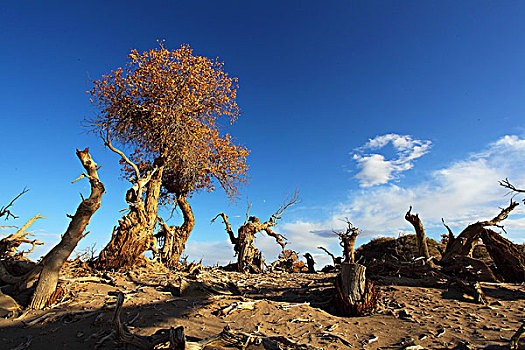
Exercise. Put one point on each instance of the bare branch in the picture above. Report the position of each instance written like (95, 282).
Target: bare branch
(247, 213)
(233, 239)
(506, 184)
(5, 210)
(334, 259)
(107, 142)
(293, 199)
(450, 233)
(501, 216)
(279, 238)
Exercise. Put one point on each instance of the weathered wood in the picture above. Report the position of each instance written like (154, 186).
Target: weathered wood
(472, 288)
(514, 340)
(134, 233)
(9, 245)
(348, 238)
(464, 243)
(175, 336)
(55, 259)
(509, 259)
(421, 239)
(469, 269)
(249, 258)
(355, 296)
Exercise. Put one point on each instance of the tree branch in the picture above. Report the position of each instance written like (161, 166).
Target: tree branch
(506, 184)
(293, 199)
(5, 210)
(501, 216)
(234, 240)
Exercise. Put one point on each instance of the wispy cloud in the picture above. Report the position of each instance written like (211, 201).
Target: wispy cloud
(375, 169)
(463, 192)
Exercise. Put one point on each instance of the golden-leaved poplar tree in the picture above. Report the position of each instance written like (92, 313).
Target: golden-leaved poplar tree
(165, 107)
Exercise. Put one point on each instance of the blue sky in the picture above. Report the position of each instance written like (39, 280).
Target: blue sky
(366, 107)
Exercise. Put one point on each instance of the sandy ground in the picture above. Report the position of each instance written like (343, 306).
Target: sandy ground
(289, 305)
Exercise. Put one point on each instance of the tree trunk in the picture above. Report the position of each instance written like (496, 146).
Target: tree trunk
(355, 296)
(348, 247)
(175, 237)
(421, 239)
(310, 262)
(464, 243)
(54, 260)
(509, 259)
(184, 230)
(134, 233)
(249, 258)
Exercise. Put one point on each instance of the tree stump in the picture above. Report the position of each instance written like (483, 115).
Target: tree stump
(355, 295)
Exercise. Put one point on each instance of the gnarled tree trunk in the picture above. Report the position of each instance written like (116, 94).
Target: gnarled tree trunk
(54, 260)
(249, 258)
(348, 238)
(355, 295)
(174, 238)
(134, 233)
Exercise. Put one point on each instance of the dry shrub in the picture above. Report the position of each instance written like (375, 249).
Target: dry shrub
(403, 248)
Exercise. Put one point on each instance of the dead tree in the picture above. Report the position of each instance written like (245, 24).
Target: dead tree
(508, 258)
(48, 269)
(249, 258)
(134, 233)
(421, 239)
(310, 262)
(55, 259)
(347, 241)
(464, 243)
(9, 246)
(335, 260)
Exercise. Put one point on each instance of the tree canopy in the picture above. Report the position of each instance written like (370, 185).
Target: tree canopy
(166, 106)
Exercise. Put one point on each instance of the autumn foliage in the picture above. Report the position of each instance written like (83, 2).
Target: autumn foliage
(165, 105)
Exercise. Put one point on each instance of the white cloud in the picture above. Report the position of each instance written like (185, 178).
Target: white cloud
(462, 193)
(375, 169)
